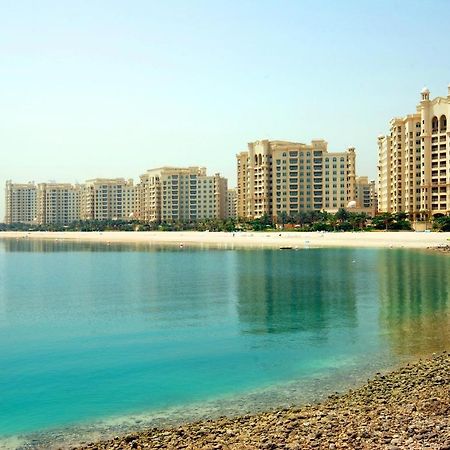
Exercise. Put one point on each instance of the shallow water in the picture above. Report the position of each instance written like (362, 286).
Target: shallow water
(93, 333)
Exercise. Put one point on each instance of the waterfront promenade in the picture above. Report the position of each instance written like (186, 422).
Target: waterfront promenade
(392, 239)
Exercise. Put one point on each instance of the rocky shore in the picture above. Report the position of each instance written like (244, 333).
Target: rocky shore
(405, 409)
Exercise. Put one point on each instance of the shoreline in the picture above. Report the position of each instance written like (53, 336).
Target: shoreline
(265, 420)
(275, 240)
(407, 408)
(404, 407)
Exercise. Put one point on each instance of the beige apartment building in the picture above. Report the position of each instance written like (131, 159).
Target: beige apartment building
(172, 194)
(414, 162)
(57, 203)
(232, 203)
(365, 195)
(20, 202)
(109, 199)
(277, 177)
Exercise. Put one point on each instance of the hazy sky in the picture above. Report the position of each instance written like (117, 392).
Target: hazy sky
(113, 88)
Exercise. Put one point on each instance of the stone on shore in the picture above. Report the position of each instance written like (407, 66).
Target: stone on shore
(405, 409)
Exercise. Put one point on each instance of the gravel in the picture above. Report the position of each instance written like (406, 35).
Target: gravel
(408, 408)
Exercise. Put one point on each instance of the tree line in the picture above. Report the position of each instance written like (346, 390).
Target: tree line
(342, 220)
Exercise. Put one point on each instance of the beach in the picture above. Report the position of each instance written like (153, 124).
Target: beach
(282, 239)
(408, 408)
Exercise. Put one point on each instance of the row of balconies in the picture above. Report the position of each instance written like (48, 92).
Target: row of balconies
(437, 131)
(436, 139)
(435, 156)
(435, 148)
(438, 182)
(435, 173)
(440, 189)
(442, 198)
(437, 207)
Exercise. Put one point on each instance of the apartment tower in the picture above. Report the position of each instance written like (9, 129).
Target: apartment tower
(172, 194)
(20, 201)
(108, 199)
(414, 161)
(365, 195)
(57, 203)
(276, 177)
(232, 203)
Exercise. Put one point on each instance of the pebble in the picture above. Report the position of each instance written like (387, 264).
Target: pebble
(406, 409)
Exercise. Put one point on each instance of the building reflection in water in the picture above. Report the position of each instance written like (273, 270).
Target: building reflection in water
(415, 301)
(59, 245)
(289, 291)
(56, 245)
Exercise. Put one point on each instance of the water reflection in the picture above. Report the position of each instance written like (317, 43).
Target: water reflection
(284, 291)
(162, 326)
(26, 245)
(415, 301)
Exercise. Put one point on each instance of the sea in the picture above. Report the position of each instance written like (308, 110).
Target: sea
(97, 340)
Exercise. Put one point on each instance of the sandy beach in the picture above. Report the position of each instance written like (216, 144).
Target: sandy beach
(412, 240)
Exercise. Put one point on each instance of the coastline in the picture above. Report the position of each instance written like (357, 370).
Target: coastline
(407, 408)
(212, 430)
(282, 239)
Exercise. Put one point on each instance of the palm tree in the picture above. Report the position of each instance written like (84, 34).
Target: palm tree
(333, 221)
(342, 215)
(283, 218)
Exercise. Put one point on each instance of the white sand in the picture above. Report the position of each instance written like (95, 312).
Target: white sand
(249, 239)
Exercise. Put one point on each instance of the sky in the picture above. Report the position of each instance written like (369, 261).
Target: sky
(105, 88)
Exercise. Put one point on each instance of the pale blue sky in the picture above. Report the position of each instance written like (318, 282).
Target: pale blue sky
(112, 88)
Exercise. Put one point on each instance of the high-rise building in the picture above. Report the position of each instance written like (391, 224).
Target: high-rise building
(20, 203)
(172, 194)
(232, 203)
(413, 161)
(365, 194)
(384, 174)
(57, 203)
(108, 199)
(276, 177)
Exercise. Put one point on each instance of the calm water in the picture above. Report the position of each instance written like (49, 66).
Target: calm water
(90, 332)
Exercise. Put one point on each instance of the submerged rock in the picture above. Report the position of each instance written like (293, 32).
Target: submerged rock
(406, 409)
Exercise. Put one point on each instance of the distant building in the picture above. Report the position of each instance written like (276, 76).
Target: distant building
(365, 198)
(57, 203)
(166, 194)
(276, 177)
(172, 194)
(384, 175)
(108, 199)
(413, 164)
(20, 202)
(232, 203)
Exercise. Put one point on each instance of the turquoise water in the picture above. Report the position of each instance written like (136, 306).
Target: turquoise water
(91, 332)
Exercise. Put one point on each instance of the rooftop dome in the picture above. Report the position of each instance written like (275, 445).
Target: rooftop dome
(425, 90)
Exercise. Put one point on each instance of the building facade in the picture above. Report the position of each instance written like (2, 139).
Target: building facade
(365, 196)
(276, 177)
(57, 203)
(232, 203)
(20, 202)
(173, 194)
(384, 173)
(166, 194)
(109, 199)
(414, 161)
